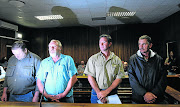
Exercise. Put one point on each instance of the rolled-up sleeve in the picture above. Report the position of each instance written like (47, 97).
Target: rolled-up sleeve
(72, 68)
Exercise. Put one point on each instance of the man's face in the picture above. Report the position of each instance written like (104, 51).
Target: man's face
(82, 62)
(125, 64)
(54, 49)
(103, 44)
(19, 53)
(144, 46)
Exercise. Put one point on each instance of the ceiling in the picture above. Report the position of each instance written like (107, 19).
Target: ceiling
(81, 12)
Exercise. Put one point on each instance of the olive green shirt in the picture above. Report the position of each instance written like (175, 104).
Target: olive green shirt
(21, 74)
(104, 71)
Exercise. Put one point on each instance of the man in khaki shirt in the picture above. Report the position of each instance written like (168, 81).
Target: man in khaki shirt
(104, 71)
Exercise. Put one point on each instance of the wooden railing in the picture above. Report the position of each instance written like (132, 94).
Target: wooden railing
(174, 94)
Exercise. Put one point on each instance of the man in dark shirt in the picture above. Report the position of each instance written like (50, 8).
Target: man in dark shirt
(20, 76)
(147, 75)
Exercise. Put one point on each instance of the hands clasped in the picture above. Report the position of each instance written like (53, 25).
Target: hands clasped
(102, 96)
(55, 98)
(150, 97)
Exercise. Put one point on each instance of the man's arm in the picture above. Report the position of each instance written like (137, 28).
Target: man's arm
(93, 83)
(70, 84)
(115, 83)
(162, 83)
(148, 96)
(41, 88)
(134, 83)
(4, 95)
(37, 65)
(36, 97)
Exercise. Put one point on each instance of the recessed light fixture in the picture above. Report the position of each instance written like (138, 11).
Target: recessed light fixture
(121, 14)
(49, 17)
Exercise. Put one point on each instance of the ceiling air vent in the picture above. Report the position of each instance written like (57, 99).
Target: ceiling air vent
(98, 18)
(8, 26)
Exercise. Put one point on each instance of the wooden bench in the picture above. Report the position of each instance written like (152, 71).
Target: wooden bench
(173, 93)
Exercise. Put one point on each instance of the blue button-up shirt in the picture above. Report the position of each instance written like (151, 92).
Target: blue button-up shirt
(58, 74)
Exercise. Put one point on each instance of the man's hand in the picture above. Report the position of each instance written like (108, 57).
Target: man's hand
(59, 96)
(35, 99)
(102, 94)
(51, 97)
(104, 100)
(150, 97)
(4, 97)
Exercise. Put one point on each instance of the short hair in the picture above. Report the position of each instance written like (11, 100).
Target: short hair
(107, 36)
(57, 41)
(146, 37)
(18, 44)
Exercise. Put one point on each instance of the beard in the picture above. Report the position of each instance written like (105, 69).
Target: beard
(53, 54)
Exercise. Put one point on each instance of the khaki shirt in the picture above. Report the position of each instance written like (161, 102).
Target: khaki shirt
(104, 71)
(20, 75)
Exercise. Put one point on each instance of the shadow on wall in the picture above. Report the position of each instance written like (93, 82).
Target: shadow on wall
(69, 17)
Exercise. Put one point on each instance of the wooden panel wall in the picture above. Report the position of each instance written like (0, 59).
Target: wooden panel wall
(82, 42)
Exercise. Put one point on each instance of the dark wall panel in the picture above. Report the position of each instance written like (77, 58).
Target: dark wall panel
(170, 29)
(82, 42)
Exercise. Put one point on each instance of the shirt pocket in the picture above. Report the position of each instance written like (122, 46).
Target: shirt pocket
(99, 68)
(114, 69)
(10, 71)
(28, 71)
(62, 70)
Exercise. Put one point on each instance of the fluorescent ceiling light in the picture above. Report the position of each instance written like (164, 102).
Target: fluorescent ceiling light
(49, 17)
(121, 14)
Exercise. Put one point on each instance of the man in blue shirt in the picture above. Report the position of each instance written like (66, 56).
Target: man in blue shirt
(58, 74)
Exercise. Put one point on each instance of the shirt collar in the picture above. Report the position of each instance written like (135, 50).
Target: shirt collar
(110, 56)
(151, 53)
(28, 54)
(61, 56)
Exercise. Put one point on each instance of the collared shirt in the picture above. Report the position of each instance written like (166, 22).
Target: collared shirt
(57, 74)
(81, 68)
(20, 75)
(104, 71)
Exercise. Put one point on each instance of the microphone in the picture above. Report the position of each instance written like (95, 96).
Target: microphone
(46, 74)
